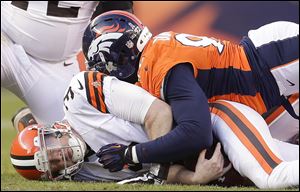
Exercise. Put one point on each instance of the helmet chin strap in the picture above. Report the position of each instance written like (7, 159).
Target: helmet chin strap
(143, 39)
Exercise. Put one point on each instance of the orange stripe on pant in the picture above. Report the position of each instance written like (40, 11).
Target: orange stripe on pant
(255, 102)
(256, 146)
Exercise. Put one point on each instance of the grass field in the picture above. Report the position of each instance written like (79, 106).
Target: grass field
(11, 181)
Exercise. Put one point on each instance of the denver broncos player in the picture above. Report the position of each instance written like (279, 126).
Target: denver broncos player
(88, 124)
(39, 48)
(187, 70)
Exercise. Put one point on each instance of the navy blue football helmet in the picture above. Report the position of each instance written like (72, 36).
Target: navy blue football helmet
(113, 42)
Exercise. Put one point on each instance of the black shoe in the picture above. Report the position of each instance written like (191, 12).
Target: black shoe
(22, 119)
(146, 178)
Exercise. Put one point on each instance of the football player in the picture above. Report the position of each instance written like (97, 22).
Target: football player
(40, 42)
(187, 70)
(67, 148)
(58, 151)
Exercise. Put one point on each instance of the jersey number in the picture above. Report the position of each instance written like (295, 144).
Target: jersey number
(53, 9)
(197, 41)
(69, 95)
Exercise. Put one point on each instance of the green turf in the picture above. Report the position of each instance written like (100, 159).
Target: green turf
(11, 181)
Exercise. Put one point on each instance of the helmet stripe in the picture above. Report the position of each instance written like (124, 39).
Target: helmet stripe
(24, 167)
(22, 157)
(21, 163)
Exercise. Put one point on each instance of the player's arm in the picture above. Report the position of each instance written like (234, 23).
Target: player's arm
(206, 170)
(134, 104)
(192, 132)
(124, 100)
(158, 120)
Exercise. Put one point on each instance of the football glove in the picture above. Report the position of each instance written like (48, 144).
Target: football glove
(115, 156)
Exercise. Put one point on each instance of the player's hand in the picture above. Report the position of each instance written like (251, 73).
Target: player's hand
(207, 170)
(113, 157)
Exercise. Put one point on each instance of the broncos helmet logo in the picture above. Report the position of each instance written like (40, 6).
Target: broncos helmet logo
(101, 45)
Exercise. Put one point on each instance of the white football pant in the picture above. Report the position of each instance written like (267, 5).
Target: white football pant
(247, 141)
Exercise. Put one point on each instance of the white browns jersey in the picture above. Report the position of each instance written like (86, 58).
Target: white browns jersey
(48, 30)
(88, 104)
(91, 103)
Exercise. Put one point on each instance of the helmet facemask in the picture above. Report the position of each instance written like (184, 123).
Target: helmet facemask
(61, 152)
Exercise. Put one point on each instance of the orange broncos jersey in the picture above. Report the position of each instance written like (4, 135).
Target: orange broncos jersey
(220, 67)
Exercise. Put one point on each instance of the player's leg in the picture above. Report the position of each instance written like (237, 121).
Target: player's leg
(11, 75)
(288, 151)
(48, 82)
(11, 69)
(40, 84)
(43, 85)
(250, 147)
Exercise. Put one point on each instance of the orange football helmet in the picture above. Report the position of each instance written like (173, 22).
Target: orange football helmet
(31, 148)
